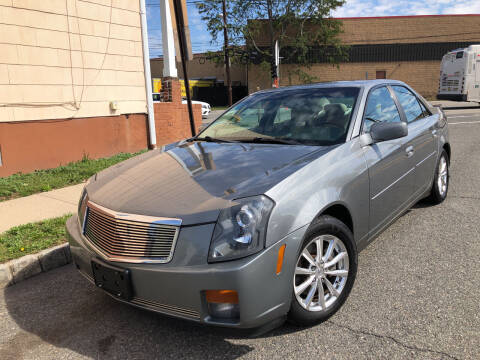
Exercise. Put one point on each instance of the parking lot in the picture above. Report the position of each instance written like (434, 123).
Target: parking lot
(416, 295)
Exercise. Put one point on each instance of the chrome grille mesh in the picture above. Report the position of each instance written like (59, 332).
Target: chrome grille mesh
(127, 237)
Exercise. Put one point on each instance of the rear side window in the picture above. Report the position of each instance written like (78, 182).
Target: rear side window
(426, 112)
(380, 108)
(409, 103)
(459, 55)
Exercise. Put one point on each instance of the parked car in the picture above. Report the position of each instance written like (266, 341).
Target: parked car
(261, 216)
(205, 106)
(157, 97)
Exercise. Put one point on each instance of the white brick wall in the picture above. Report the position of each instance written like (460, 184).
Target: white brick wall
(70, 57)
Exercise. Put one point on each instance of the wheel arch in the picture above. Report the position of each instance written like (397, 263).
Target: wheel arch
(448, 149)
(341, 212)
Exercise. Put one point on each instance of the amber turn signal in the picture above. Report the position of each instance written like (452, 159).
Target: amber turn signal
(281, 254)
(222, 296)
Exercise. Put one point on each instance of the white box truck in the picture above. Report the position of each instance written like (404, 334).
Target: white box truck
(460, 75)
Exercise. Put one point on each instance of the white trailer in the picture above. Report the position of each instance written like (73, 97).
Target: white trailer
(460, 75)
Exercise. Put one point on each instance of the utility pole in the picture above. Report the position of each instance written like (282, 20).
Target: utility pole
(276, 66)
(182, 41)
(273, 45)
(168, 42)
(227, 57)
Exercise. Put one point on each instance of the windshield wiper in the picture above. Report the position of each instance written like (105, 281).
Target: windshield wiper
(211, 139)
(265, 140)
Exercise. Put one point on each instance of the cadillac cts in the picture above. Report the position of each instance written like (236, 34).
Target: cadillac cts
(261, 216)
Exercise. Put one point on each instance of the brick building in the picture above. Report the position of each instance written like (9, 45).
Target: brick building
(203, 68)
(406, 48)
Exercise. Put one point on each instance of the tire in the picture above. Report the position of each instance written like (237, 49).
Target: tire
(325, 229)
(440, 189)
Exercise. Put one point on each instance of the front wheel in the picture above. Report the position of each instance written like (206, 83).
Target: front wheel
(324, 273)
(441, 180)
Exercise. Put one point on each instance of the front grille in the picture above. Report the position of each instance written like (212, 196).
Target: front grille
(129, 237)
(450, 83)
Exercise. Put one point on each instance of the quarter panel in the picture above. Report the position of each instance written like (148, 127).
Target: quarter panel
(340, 176)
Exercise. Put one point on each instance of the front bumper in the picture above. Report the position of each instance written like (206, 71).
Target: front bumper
(178, 288)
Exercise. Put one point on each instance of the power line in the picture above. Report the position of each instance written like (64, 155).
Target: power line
(193, 2)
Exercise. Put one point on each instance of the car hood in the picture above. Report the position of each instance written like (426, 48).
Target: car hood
(193, 181)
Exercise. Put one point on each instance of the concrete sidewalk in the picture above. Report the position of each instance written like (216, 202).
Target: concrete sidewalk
(39, 207)
(448, 104)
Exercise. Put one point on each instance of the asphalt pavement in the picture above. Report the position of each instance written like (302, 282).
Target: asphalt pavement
(212, 116)
(416, 296)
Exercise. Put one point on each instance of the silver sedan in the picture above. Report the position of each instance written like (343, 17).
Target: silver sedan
(261, 216)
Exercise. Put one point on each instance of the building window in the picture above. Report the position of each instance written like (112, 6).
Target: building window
(381, 74)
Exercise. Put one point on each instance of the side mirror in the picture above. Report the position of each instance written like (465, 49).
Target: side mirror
(388, 131)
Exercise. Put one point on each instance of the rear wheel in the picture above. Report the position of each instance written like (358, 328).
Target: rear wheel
(441, 180)
(325, 272)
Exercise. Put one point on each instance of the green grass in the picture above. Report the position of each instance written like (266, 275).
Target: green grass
(32, 238)
(19, 185)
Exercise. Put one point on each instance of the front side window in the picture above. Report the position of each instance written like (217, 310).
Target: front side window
(312, 116)
(409, 103)
(380, 107)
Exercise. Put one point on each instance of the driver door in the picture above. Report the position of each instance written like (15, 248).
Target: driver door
(390, 165)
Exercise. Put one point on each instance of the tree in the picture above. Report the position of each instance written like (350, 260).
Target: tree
(215, 13)
(303, 28)
(212, 14)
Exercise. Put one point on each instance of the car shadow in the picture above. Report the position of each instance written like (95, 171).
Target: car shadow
(65, 310)
(422, 204)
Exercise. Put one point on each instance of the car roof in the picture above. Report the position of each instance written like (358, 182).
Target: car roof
(367, 84)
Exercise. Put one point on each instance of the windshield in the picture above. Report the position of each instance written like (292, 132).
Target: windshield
(316, 116)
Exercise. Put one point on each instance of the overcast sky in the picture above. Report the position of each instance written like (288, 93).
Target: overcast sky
(201, 40)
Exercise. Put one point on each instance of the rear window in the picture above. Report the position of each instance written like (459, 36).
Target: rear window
(459, 54)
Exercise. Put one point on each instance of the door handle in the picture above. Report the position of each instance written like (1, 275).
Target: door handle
(409, 150)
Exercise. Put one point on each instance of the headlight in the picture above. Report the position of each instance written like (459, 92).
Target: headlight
(240, 230)
(82, 208)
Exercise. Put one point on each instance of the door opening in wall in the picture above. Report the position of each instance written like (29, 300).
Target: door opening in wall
(1, 163)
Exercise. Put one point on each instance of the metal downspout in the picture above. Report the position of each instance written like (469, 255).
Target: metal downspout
(148, 77)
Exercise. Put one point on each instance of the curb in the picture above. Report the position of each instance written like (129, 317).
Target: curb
(17, 270)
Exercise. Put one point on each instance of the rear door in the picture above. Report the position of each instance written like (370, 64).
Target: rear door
(391, 169)
(421, 131)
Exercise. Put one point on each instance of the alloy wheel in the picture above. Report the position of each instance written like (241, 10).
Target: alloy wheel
(321, 273)
(442, 179)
